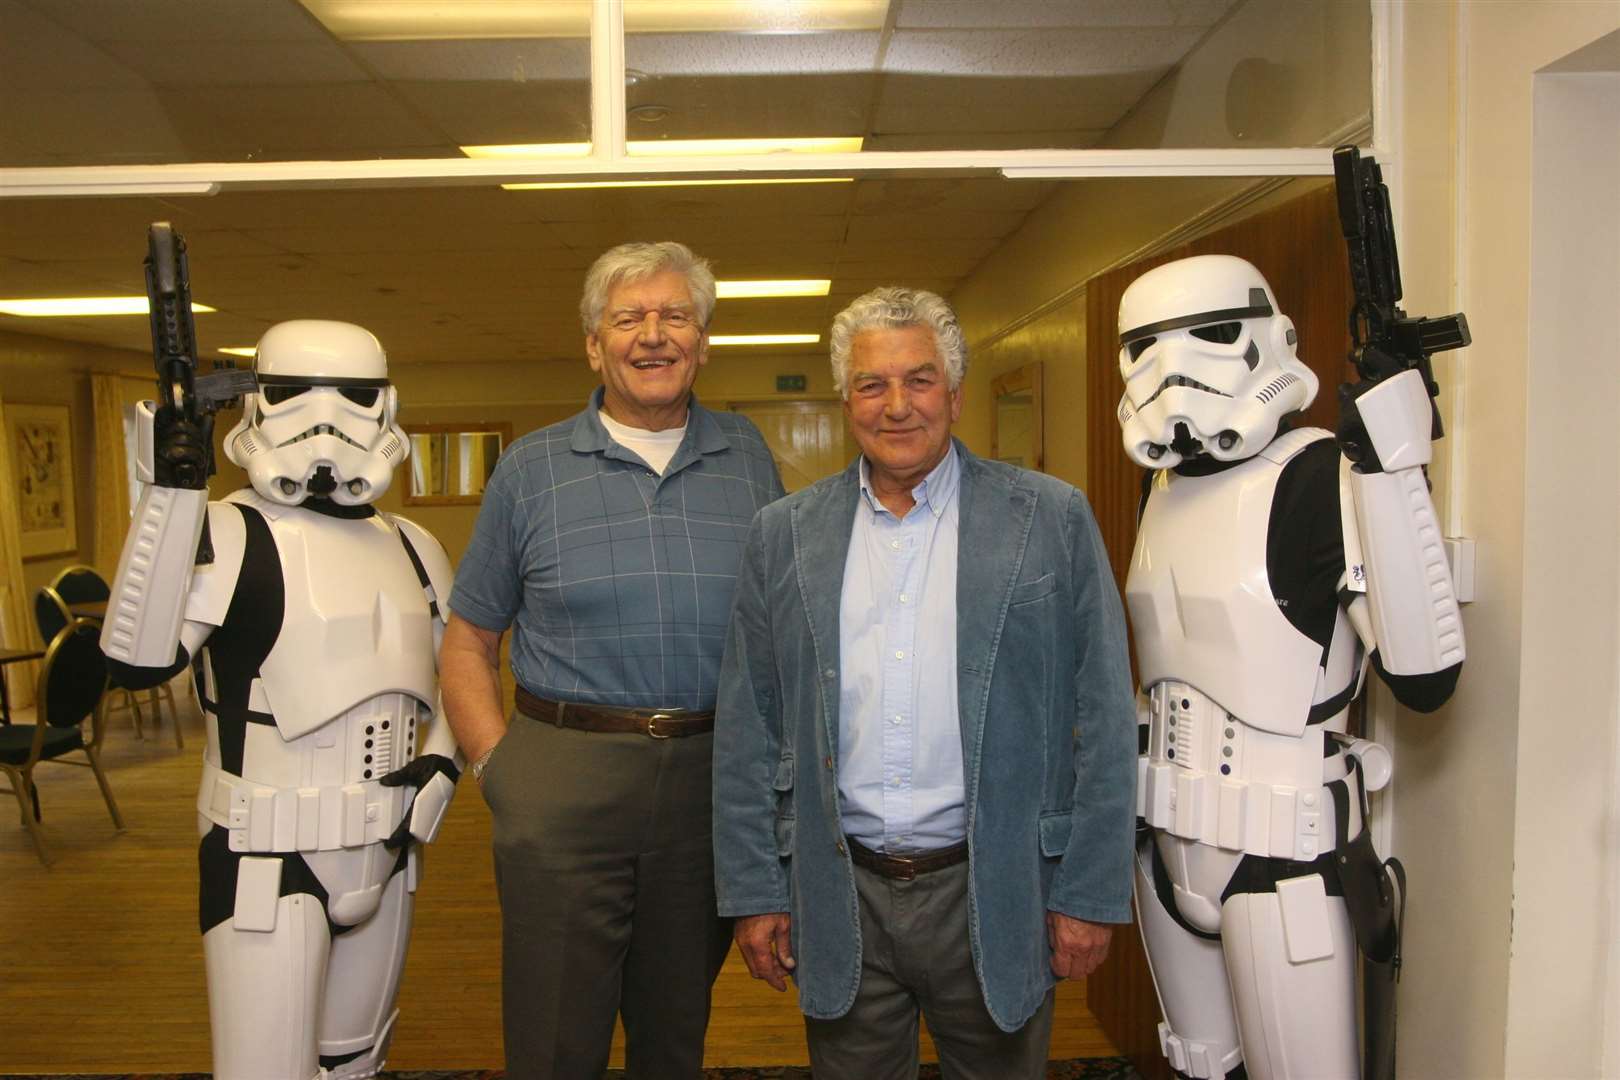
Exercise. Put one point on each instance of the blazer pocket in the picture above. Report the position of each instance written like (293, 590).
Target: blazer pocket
(784, 836)
(783, 786)
(1055, 828)
(1027, 592)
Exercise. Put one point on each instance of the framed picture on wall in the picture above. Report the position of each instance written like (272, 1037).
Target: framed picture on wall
(42, 460)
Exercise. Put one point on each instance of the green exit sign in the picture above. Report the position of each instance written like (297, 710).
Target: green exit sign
(787, 384)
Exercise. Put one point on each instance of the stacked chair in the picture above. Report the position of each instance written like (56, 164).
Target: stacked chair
(72, 687)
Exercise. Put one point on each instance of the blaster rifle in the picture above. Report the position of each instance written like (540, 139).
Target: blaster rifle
(1385, 341)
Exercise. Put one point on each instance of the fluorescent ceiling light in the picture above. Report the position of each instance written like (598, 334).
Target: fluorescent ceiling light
(51, 307)
(764, 339)
(558, 185)
(842, 144)
(737, 290)
(240, 350)
(413, 20)
(546, 150)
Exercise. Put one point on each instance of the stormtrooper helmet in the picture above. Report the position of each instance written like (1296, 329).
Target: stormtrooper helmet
(322, 421)
(1209, 364)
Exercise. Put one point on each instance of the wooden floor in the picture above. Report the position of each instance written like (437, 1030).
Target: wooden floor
(103, 962)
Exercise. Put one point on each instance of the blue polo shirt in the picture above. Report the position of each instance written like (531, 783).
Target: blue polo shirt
(618, 580)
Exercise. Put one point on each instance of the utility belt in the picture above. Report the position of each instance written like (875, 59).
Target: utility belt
(259, 817)
(1273, 820)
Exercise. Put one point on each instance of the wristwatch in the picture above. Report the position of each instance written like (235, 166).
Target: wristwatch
(481, 764)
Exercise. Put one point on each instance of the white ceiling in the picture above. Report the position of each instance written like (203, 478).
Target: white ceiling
(476, 273)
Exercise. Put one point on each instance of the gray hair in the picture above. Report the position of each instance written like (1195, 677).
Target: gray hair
(893, 307)
(638, 260)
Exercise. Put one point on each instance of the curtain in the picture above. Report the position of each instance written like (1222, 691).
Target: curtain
(107, 396)
(16, 625)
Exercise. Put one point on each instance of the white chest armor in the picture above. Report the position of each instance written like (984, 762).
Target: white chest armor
(1231, 760)
(349, 681)
(355, 605)
(1201, 606)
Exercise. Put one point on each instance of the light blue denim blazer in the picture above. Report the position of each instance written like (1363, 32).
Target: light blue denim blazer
(1048, 732)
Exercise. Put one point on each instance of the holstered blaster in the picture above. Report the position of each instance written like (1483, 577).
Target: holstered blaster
(1385, 341)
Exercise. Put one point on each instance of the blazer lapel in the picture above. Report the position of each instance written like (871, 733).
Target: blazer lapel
(821, 528)
(992, 536)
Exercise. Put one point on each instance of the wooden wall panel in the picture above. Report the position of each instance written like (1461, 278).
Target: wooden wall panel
(1299, 249)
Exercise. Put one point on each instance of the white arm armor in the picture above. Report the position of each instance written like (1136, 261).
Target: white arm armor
(154, 572)
(433, 800)
(1393, 547)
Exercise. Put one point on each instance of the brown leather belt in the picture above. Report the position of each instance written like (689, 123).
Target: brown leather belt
(654, 723)
(906, 867)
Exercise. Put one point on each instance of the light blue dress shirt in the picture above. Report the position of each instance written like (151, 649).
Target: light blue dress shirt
(899, 738)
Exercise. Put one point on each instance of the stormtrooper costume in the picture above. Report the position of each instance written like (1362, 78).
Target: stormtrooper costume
(1268, 573)
(313, 633)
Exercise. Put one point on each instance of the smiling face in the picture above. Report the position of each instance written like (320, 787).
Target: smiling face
(900, 406)
(648, 348)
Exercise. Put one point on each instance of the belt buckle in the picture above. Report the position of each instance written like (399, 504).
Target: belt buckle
(904, 869)
(652, 726)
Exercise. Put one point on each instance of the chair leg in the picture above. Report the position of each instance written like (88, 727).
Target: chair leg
(106, 789)
(21, 783)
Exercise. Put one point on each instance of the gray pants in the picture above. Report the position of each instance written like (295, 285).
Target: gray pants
(605, 868)
(915, 957)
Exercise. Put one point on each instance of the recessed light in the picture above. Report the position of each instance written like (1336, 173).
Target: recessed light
(764, 339)
(737, 290)
(59, 306)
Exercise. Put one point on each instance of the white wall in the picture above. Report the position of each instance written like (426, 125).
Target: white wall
(1489, 988)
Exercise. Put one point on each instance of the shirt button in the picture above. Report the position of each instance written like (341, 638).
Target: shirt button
(895, 544)
(899, 654)
(905, 598)
(899, 719)
(895, 781)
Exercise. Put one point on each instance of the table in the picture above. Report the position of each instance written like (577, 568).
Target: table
(12, 656)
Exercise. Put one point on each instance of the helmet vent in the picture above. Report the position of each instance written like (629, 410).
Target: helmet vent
(391, 448)
(248, 444)
(1275, 387)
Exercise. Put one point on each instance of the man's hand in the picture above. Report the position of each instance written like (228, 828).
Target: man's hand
(1078, 947)
(765, 942)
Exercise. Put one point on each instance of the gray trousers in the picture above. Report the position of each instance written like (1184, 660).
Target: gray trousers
(605, 868)
(916, 958)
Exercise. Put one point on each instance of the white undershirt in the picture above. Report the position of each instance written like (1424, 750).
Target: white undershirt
(653, 447)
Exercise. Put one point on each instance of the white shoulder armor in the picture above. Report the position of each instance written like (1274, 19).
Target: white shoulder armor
(435, 563)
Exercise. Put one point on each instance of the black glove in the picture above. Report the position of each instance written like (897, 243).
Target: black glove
(416, 774)
(182, 450)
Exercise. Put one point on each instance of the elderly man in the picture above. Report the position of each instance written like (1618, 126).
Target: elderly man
(612, 541)
(925, 742)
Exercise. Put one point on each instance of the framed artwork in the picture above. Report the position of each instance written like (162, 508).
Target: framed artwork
(42, 459)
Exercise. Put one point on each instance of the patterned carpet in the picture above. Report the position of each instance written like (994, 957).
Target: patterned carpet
(1086, 1069)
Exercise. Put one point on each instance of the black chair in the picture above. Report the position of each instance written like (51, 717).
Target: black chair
(50, 614)
(81, 584)
(72, 682)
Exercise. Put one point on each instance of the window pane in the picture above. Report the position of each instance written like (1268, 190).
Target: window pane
(1015, 74)
(162, 81)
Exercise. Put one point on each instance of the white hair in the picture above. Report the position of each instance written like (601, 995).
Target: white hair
(893, 307)
(637, 261)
